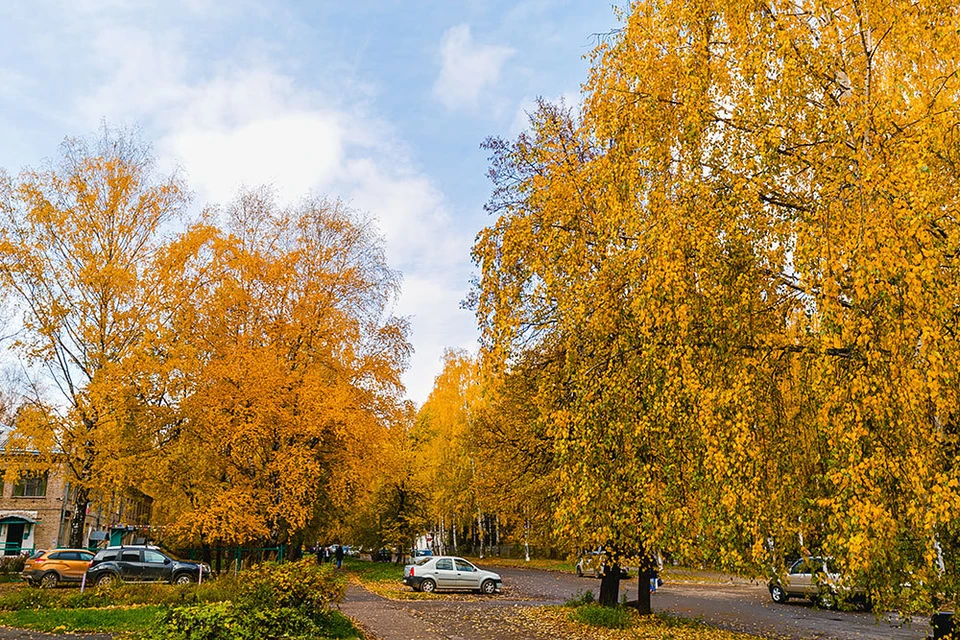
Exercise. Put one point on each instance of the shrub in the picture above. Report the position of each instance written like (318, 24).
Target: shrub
(608, 617)
(303, 585)
(12, 564)
(289, 600)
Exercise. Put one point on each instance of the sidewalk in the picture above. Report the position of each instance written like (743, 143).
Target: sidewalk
(382, 619)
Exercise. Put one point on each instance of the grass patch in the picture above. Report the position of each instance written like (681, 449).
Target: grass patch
(566, 566)
(606, 617)
(559, 622)
(23, 597)
(582, 598)
(113, 620)
(367, 571)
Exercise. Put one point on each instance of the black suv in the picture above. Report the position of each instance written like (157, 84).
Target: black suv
(139, 563)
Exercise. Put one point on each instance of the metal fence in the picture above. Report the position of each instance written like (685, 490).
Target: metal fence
(234, 558)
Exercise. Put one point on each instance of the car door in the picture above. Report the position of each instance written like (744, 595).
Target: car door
(800, 578)
(445, 573)
(75, 564)
(130, 565)
(467, 574)
(156, 566)
(56, 561)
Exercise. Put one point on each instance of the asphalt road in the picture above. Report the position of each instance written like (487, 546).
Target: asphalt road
(740, 607)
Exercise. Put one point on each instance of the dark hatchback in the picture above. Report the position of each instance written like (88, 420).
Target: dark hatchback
(138, 563)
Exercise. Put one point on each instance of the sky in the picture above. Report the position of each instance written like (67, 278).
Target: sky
(383, 104)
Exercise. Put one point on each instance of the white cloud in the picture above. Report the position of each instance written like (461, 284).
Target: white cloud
(294, 153)
(249, 124)
(467, 68)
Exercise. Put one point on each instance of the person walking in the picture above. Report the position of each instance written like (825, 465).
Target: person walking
(339, 555)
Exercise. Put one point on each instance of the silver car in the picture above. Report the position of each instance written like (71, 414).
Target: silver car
(815, 578)
(448, 572)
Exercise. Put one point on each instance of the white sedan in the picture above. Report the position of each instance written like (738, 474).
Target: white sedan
(448, 572)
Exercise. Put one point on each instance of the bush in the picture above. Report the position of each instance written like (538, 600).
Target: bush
(303, 585)
(227, 621)
(289, 600)
(608, 617)
(12, 564)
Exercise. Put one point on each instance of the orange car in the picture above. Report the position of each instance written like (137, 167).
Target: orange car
(47, 569)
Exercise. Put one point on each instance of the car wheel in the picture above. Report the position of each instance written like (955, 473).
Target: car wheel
(49, 580)
(107, 580)
(778, 594)
(488, 587)
(183, 578)
(428, 586)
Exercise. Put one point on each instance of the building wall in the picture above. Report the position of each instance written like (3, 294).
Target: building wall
(123, 517)
(46, 511)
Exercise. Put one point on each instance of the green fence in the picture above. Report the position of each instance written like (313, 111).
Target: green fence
(235, 558)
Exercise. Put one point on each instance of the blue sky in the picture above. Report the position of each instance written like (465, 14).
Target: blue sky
(384, 104)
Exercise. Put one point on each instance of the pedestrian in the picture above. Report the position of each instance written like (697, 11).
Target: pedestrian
(326, 553)
(655, 581)
(339, 555)
(319, 551)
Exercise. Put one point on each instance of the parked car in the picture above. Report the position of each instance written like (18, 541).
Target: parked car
(430, 573)
(592, 563)
(47, 569)
(422, 553)
(815, 578)
(142, 563)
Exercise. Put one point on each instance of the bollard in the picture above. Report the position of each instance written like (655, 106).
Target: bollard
(83, 581)
(942, 625)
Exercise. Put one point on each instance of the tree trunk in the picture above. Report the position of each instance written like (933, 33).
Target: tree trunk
(644, 606)
(79, 517)
(610, 586)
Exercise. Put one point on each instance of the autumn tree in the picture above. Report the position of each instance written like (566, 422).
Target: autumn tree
(284, 373)
(742, 251)
(440, 439)
(79, 242)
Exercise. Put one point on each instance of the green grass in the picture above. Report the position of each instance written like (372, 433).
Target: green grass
(565, 565)
(367, 571)
(20, 597)
(607, 617)
(114, 620)
(340, 627)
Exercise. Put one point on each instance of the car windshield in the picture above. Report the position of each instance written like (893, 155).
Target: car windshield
(36, 554)
(421, 561)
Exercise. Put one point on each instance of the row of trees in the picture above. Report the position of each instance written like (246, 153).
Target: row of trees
(241, 366)
(719, 300)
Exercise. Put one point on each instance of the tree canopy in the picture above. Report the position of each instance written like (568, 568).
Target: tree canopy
(739, 257)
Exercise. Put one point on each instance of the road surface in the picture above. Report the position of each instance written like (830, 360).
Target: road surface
(737, 606)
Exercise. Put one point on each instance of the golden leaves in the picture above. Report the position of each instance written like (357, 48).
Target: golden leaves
(743, 252)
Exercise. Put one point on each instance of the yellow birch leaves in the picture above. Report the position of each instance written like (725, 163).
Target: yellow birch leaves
(743, 249)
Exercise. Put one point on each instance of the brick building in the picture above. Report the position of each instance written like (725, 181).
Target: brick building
(35, 511)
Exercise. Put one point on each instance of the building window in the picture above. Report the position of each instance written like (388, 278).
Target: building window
(31, 486)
